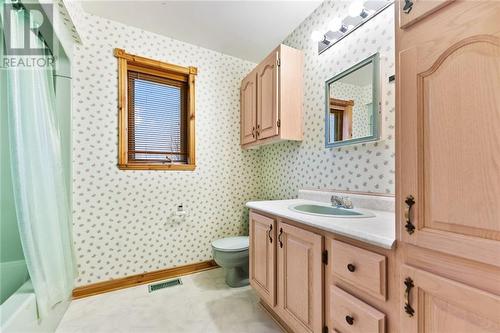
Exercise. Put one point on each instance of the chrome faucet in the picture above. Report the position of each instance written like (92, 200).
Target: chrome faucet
(341, 202)
(336, 201)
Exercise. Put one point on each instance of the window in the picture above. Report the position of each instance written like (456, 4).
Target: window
(340, 117)
(156, 114)
(336, 122)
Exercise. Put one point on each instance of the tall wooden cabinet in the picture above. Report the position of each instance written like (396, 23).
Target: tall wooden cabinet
(271, 99)
(448, 165)
(267, 96)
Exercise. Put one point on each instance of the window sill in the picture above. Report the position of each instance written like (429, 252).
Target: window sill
(173, 167)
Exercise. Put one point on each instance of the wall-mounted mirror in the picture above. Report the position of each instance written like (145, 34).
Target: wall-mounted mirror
(352, 104)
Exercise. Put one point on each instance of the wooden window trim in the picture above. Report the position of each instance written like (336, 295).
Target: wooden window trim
(340, 104)
(344, 107)
(153, 67)
(339, 123)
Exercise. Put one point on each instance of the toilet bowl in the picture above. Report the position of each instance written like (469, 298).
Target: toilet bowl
(231, 254)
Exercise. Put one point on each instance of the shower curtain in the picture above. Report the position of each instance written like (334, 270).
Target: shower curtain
(40, 193)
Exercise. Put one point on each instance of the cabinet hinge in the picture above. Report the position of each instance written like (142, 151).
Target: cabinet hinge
(278, 62)
(324, 257)
(325, 329)
(278, 123)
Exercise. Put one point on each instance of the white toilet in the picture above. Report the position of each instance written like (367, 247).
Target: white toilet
(231, 253)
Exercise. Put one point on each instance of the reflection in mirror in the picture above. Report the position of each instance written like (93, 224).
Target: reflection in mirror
(350, 113)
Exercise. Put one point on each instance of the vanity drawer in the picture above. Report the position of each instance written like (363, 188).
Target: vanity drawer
(350, 315)
(363, 269)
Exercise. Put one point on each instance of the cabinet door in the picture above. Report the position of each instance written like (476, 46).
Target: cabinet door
(449, 137)
(248, 106)
(440, 305)
(267, 97)
(263, 257)
(300, 278)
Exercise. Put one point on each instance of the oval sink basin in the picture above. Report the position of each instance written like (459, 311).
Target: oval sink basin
(329, 211)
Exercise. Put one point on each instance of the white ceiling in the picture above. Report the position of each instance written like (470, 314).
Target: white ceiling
(244, 29)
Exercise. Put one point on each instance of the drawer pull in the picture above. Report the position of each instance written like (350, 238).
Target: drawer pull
(408, 308)
(349, 320)
(410, 201)
(269, 233)
(351, 268)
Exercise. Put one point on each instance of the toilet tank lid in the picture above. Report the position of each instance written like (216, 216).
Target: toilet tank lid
(230, 244)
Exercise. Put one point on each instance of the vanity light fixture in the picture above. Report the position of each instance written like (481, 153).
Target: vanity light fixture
(335, 24)
(359, 12)
(319, 37)
(355, 8)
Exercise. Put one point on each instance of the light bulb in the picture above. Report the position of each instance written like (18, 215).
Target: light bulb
(317, 36)
(335, 24)
(355, 8)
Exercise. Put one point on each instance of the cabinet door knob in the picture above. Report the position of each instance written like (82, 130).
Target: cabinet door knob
(253, 132)
(351, 268)
(349, 319)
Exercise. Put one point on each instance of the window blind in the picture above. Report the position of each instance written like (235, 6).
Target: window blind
(157, 126)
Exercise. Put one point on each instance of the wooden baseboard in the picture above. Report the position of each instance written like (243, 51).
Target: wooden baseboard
(135, 280)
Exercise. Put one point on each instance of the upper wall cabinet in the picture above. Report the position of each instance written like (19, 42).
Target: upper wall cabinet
(271, 99)
(248, 105)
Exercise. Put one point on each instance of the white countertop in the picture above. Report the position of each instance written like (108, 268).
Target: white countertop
(378, 230)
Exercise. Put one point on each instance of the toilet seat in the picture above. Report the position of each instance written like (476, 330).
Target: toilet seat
(231, 244)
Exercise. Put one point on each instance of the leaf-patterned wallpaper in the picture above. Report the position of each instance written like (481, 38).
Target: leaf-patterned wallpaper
(290, 166)
(123, 220)
(123, 223)
(69, 23)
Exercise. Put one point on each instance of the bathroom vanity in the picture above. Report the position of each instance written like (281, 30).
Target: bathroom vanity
(317, 273)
